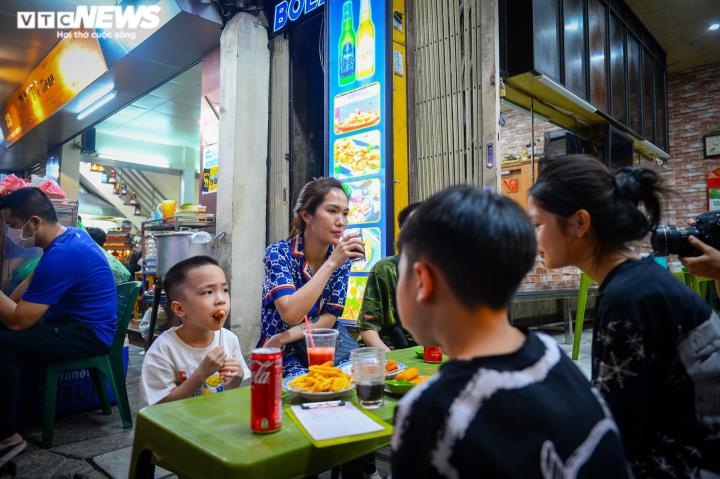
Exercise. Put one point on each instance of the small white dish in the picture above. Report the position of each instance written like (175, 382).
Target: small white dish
(321, 396)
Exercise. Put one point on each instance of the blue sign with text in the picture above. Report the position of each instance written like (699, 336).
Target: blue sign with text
(291, 11)
(358, 122)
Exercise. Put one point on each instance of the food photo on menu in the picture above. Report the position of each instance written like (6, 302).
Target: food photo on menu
(357, 155)
(357, 109)
(365, 206)
(354, 298)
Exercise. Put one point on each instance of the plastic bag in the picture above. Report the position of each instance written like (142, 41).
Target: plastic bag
(36, 181)
(52, 189)
(48, 186)
(161, 322)
(11, 183)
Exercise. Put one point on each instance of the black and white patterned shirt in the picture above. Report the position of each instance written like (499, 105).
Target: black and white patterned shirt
(528, 414)
(656, 360)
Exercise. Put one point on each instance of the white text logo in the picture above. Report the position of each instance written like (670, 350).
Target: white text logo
(145, 16)
(261, 371)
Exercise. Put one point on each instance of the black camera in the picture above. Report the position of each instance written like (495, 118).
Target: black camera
(668, 240)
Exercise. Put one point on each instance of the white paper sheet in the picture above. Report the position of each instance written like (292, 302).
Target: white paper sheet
(333, 422)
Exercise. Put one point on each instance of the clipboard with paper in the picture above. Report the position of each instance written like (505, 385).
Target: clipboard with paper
(337, 422)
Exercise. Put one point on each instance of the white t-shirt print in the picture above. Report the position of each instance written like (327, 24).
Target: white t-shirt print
(170, 361)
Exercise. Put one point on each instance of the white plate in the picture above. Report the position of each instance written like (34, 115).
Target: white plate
(316, 396)
(346, 367)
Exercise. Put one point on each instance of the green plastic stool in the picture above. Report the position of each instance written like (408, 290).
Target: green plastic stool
(110, 365)
(585, 282)
(700, 285)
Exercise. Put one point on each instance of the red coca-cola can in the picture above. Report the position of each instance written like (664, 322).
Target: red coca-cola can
(432, 354)
(266, 390)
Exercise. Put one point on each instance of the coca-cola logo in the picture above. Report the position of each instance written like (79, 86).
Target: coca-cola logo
(261, 371)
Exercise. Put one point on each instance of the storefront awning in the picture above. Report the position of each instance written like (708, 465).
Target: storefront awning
(133, 69)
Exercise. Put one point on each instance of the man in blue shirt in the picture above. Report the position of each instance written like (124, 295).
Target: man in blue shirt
(66, 309)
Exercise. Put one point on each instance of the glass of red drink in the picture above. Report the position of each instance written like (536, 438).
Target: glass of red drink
(320, 345)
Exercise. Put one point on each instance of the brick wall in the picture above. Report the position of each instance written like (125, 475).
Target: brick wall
(693, 112)
(515, 140)
(515, 135)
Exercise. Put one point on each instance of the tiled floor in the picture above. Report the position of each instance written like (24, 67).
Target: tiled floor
(583, 361)
(87, 445)
(90, 445)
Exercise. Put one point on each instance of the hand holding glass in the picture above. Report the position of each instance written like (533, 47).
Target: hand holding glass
(349, 233)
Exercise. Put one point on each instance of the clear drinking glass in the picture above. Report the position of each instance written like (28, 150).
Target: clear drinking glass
(354, 231)
(321, 348)
(368, 370)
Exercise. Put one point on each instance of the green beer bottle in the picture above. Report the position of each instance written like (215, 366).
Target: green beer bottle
(346, 49)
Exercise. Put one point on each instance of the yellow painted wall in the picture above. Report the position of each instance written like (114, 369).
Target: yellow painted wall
(400, 140)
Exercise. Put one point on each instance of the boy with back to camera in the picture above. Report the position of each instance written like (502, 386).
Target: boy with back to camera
(196, 357)
(508, 403)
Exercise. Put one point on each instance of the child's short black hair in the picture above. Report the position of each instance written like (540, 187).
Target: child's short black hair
(176, 276)
(405, 213)
(483, 243)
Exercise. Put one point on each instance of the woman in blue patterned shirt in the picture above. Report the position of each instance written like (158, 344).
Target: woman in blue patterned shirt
(307, 274)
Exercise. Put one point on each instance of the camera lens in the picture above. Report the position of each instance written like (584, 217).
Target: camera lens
(663, 238)
(667, 240)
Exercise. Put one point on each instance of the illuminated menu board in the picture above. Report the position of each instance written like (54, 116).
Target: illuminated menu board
(358, 124)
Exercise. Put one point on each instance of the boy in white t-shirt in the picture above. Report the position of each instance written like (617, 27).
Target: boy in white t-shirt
(197, 357)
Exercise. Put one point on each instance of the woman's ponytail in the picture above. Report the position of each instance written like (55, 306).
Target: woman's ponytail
(642, 186)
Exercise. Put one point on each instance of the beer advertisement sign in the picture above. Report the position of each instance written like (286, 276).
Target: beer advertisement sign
(358, 126)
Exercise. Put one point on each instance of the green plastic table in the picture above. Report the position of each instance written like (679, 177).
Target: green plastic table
(210, 437)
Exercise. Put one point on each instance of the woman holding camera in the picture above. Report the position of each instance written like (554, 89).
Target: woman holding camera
(656, 345)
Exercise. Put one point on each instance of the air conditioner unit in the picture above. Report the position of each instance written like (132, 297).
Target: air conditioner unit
(560, 142)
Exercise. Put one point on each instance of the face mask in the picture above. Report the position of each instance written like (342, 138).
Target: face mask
(16, 236)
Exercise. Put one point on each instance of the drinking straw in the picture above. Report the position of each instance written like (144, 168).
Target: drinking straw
(307, 324)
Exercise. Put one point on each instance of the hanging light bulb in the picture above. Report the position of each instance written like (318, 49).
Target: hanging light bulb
(123, 189)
